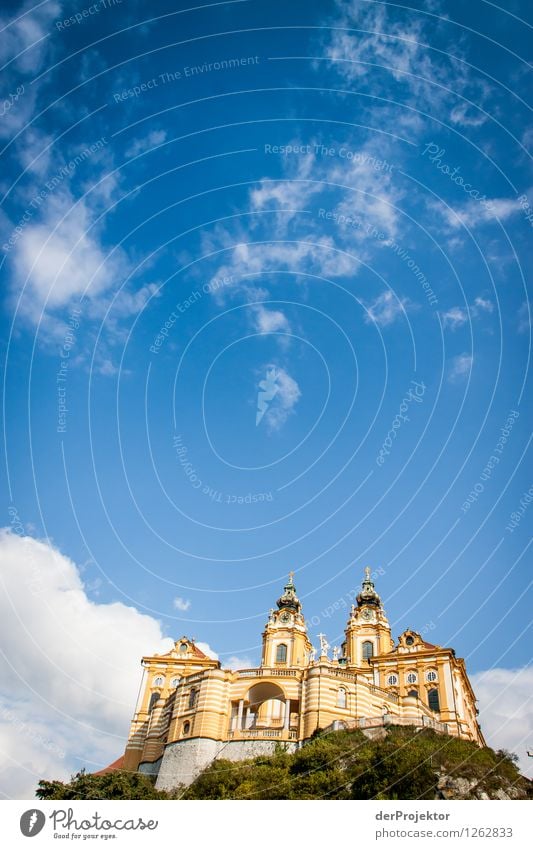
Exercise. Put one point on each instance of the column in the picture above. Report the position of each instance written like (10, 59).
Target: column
(239, 714)
(248, 718)
(287, 720)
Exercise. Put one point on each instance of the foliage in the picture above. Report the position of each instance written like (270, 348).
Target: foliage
(117, 784)
(403, 764)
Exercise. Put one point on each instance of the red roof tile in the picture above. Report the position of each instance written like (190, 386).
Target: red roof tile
(118, 764)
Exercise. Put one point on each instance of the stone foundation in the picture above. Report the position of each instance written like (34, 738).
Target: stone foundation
(148, 768)
(184, 760)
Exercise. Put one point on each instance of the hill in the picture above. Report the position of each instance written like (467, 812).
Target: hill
(404, 764)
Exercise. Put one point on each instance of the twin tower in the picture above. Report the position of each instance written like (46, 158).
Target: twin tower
(191, 710)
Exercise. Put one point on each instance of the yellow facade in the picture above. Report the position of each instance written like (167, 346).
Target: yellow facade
(191, 711)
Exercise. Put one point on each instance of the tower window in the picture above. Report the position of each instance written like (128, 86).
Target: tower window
(281, 653)
(392, 680)
(433, 700)
(413, 694)
(193, 698)
(368, 650)
(158, 682)
(153, 699)
(412, 678)
(341, 697)
(431, 676)
(186, 727)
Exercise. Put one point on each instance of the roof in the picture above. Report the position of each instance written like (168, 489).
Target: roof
(195, 651)
(198, 652)
(118, 764)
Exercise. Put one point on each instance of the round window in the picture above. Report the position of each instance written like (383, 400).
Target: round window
(411, 678)
(431, 676)
(409, 641)
(159, 681)
(183, 647)
(392, 680)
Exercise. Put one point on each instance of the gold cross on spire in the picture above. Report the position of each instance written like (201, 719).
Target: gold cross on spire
(291, 577)
(367, 573)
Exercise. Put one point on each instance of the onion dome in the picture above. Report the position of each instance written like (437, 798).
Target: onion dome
(289, 598)
(368, 595)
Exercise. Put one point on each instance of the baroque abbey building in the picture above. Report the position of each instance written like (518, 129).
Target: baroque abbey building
(191, 711)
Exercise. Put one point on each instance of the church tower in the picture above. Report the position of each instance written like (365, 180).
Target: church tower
(368, 631)
(285, 640)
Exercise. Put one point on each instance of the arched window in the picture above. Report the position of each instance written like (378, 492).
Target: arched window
(431, 675)
(341, 697)
(412, 678)
(281, 653)
(174, 683)
(433, 700)
(368, 650)
(153, 699)
(158, 682)
(413, 694)
(193, 698)
(392, 680)
(186, 727)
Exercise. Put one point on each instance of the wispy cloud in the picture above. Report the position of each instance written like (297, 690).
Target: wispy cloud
(458, 316)
(181, 603)
(153, 139)
(460, 367)
(524, 318)
(371, 46)
(283, 398)
(474, 214)
(386, 309)
(270, 321)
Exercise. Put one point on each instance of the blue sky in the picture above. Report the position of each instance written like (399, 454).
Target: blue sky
(323, 202)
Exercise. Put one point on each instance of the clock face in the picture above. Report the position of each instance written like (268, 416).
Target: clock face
(367, 614)
(285, 617)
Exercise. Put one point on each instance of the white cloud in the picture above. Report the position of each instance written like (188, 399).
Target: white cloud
(460, 367)
(506, 716)
(386, 309)
(381, 50)
(181, 603)
(24, 42)
(153, 139)
(284, 400)
(70, 667)
(60, 257)
(270, 321)
(24, 50)
(474, 213)
(454, 317)
(457, 316)
(235, 662)
(524, 318)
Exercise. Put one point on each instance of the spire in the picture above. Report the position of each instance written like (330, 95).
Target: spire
(289, 597)
(368, 595)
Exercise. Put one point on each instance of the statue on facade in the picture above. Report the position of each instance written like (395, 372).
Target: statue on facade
(324, 645)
